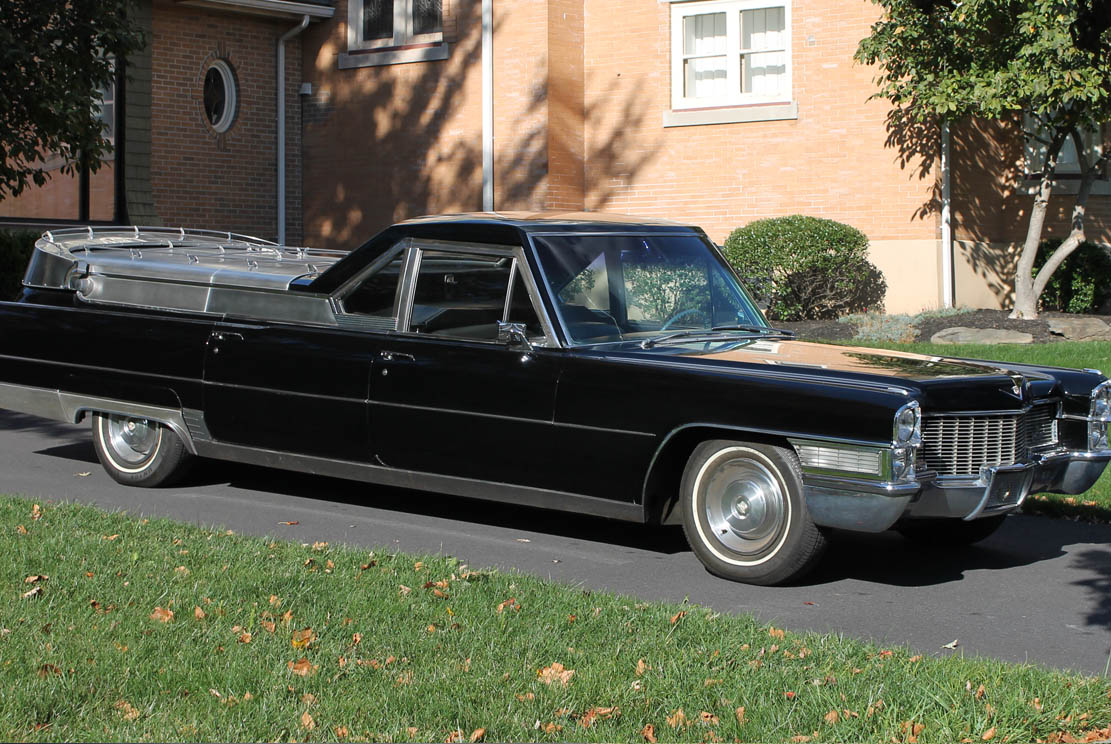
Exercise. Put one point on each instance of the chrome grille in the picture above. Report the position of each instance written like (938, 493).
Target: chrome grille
(961, 445)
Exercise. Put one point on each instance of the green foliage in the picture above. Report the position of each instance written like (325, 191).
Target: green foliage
(993, 58)
(15, 252)
(814, 268)
(54, 57)
(874, 327)
(1081, 284)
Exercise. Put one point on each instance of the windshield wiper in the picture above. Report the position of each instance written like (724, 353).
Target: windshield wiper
(714, 334)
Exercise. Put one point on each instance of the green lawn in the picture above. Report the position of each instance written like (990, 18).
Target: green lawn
(1095, 505)
(153, 630)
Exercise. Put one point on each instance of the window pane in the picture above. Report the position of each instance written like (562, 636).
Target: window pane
(763, 29)
(704, 34)
(764, 74)
(427, 16)
(521, 310)
(377, 19)
(378, 294)
(460, 295)
(704, 77)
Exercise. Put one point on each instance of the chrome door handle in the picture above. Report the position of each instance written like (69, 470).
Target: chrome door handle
(390, 356)
(227, 336)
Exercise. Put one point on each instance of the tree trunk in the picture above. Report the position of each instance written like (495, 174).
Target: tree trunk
(1026, 299)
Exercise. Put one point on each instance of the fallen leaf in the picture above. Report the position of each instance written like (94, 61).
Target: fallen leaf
(32, 593)
(162, 615)
(708, 718)
(800, 738)
(649, 733)
(988, 735)
(307, 722)
(951, 644)
(980, 692)
(588, 718)
(198, 613)
(418, 565)
(181, 571)
(789, 695)
(47, 670)
(302, 667)
(308, 698)
(477, 735)
(526, 696)
(403, 590)
(302, 638)
(109, 538)
(35, 579)
(454, 737)
(886, 654)
(36, 512)
(1036, 704)
(287, 616)
(21, 529)
(642, 667)
(268, 626)
(440, 594)
(289, 524)
(677, 719)
(740, 713)
(712, 682)
(126, 710)
(832, 717)
(318, 546)
(776, 633)
(275, 600)
(915, 659)
(244, 637)
(84, 474)
(412, 731)
(341, 732)
(678, 616)
(552, 728)
(509, 604)
(555, 673)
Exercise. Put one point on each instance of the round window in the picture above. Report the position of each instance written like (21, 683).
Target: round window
(219, 95)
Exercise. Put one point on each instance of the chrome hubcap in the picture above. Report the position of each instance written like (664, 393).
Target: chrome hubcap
(132, 440)
(745, 505)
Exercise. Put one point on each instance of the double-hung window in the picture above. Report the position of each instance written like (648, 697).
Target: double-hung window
(730, 53)
(383, 32)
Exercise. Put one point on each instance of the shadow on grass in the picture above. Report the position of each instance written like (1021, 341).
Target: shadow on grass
(1067, 507)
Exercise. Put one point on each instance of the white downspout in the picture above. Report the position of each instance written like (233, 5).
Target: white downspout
(488, 105)
(946, 220)
(281, 122)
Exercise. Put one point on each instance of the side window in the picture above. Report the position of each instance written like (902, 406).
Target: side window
(377, 295)
(460, 294)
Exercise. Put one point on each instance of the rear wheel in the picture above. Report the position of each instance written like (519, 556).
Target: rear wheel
(950, 531)
(137, 451)
(744, 512)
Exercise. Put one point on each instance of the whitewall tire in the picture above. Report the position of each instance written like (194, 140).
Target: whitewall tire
(137, 451)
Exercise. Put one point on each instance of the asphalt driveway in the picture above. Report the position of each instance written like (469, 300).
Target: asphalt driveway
(1038, 590)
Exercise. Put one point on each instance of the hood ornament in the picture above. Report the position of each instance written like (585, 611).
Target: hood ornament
(1017, 383)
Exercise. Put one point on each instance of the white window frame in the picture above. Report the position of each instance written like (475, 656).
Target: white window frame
(732, 9)
(402, 28)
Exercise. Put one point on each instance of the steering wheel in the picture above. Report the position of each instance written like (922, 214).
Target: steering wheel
(676, 316)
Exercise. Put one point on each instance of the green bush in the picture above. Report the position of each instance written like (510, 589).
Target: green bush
(15, 252)
(1081, 284)
(810, 268)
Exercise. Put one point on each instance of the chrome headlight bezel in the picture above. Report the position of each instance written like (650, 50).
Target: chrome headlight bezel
(906, 431)
(1099, 416)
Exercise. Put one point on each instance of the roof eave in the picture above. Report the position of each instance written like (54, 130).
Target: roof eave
(273, 8)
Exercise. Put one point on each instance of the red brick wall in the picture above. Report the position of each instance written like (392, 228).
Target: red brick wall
(222, 181)
(59, 197)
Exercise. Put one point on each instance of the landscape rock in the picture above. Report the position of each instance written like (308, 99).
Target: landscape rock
(961, 335)
(1080, 329)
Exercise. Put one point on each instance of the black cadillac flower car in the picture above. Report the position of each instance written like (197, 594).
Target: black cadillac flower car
(595, 365)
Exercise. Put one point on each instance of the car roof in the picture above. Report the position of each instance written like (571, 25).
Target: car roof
(549, 221)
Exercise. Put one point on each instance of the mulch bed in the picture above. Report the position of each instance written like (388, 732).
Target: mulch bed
(831, 330)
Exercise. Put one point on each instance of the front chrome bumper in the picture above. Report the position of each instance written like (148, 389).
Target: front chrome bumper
(866, 506)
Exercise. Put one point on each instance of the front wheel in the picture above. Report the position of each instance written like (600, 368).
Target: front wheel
(138, 451)
(744, 512)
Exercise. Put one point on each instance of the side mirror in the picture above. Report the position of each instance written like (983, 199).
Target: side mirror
(514, 335)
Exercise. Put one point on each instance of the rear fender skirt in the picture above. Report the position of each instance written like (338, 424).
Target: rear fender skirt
(72, 407)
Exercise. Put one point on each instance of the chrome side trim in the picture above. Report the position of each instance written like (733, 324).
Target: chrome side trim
(71, 408)
(95, 368)
(452, 485)
(503, 417)
(284, 391)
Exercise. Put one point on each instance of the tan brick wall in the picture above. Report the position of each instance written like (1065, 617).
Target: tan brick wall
(223, 181)
(59, 197)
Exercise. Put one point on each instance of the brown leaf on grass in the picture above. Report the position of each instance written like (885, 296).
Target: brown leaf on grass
(405, 678)
(126, 710)
(36, 512)
(509, 604)
(403, 590)
(268, 626)
(244, 637)
(642, 667)
(552, 728)
(412, 731)
(109, 538)
(454, 737)
(307, 722)
(1036, 704)
(649, 733)
(712, 682)
(801, 738)
(988, 735)
(678, 616)
(275, 600)
(21, 529)
(308, 698)
(198, 613)
(47, 670)
(356, 639)
(873, 708)
(740, 713)
(181, 571)
(318, 546)
(678, 719)
(36, 578)
(915, 659)
(341, 732)
(526, 696)
(302, 667)
(162, 615)
(708, 719)
(32, 593)
(418, 565)
(477, 735)
(440, 594)
(776, 632)
(832, 717)
(598, 714)
(302, 638)
(555, 673)
(980, 692)
(287, 616)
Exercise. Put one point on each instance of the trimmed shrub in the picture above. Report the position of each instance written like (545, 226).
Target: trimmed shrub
(1081, 284)
(15, 252)
(807, 268)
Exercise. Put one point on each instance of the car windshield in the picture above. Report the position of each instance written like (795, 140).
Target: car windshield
(622, 287)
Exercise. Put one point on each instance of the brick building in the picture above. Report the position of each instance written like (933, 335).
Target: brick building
(715, 112)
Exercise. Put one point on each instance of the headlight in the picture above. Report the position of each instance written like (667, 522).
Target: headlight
(1099, 414)
(908, 425)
